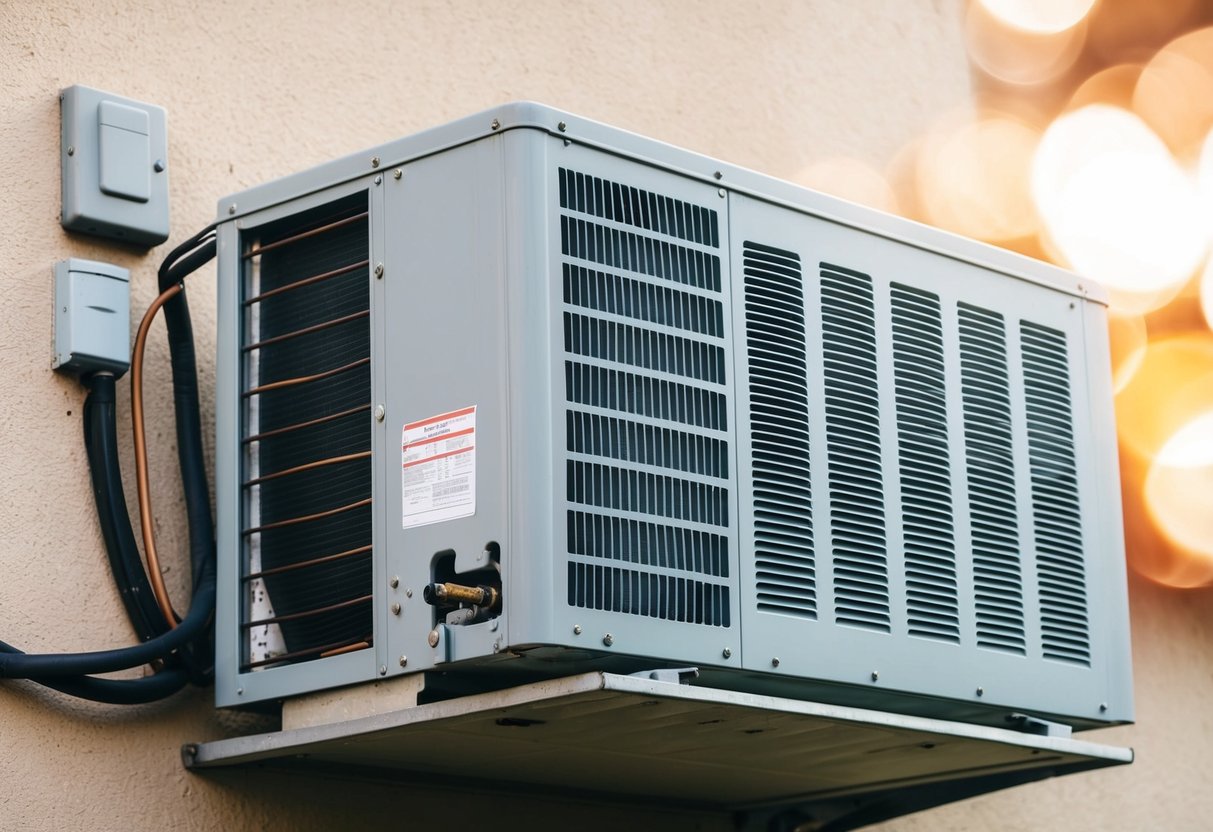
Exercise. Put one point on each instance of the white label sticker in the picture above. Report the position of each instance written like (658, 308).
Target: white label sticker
(438, 467)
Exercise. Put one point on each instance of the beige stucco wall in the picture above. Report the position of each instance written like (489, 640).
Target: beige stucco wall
(255, 90)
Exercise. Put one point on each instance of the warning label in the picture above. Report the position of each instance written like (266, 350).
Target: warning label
(438, 467)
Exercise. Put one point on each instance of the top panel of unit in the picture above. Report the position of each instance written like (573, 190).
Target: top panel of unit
(527, 115)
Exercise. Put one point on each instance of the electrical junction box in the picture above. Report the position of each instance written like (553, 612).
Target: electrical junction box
(92, 316)
(525, 396)
(114, 156)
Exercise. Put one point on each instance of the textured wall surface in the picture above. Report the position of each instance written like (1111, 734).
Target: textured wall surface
(258, 90)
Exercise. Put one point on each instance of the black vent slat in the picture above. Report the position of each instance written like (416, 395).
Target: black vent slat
(1060, 571)
(645, 377)
(932, 603)
(857, 514)
(784, 566)
(986, 396)
(318, 327)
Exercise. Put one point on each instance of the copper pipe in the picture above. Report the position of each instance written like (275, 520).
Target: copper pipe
(294, 238)
(141, 479)
(349, 648)
(309, 423)
(308, 466)
(320, 515)
(304, 564)
(307, 281)
(310, 651)
(291, 382)
(296, 616)
(308, 330)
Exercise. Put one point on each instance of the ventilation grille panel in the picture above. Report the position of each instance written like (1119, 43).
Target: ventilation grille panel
(784, 567)
(857, 517)
(646, 412)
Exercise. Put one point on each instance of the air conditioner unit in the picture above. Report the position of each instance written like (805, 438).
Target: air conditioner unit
(526, 395)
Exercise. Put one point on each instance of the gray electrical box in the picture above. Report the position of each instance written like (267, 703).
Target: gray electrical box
(114, 156)
(92, 316)
(526, 395)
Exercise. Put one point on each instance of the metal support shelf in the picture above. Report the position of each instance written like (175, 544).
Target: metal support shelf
(775, 763)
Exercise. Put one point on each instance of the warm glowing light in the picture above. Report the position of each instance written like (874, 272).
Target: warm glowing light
(1175, 92)
(1128, 29)
(1179, 498)
(1114, 86)
(1117, 207)
(1204, 178)
(973, 178)
(1127, 337)
(1020, 55)
(1173, 385)
(1040, 16)
(850, 179)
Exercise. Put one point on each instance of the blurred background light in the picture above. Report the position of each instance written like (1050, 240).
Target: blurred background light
(852, 179)
(1018, 55)
(1039, 16)
(1174, 94)
(1178, 489)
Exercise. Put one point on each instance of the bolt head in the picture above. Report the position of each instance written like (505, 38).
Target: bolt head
(981, 691)
(379, 270)
(720, 192)
(576, 629)
(408, 593)
(379, 414)
(495, 124)
(374, 161)
(719, 174)
(231, 209)
(875, 675)
(158, 166)
(727, 652)
(394, 582)
(433, 638)
(397, 173)
(608, 639)
(378, 180)
(1103, 706)
(775, 662)
(396, 609)
(383, 670)
(404, 661)
(71, 151)
(562, 127)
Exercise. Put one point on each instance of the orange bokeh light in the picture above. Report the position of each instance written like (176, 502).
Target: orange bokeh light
(1178, 489)
(1016, 55)
(1127, 338)
(849, 178)
(1174, 94)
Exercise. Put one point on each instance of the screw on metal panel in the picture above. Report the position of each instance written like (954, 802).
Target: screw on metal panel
(981, 691)
(720, 191)
(408, 593)
(495, 124)
(496, 647)
(433, 638)
(158, 166)
(396, 609)
(394, 582)
(493, 625)
(1071, 304)
(374, 161)
(562, 127)
(240, 691)
(727, 652)
(568, 142)
(71, 151)
(231, 209)
(1103, 706)
(383, 670)
(397, 173)
(576, 629)
(875, 675)
(404, 661)
(379, 270)
(379, 414)
(378, 180)
(719, 174)
(775, 662)
(608, 639)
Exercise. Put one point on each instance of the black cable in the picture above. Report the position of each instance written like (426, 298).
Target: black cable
(101, 446)
(115, 691)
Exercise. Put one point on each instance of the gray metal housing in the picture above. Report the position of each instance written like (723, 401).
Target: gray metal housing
(721, 420)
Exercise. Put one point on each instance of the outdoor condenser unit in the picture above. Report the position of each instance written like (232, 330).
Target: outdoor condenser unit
(526, 395)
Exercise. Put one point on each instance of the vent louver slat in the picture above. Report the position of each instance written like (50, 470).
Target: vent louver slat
(923, 457)
(985, 391)
(784, 568)
(1059, 547)
(857, 514)
(307, 440)
(645, 383)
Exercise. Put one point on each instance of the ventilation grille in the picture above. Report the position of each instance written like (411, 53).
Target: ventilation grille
(645, 385)
(923, 458)
(857, 518)
(1059, 550)
(784, 568)
(307, 438)
(985, 390)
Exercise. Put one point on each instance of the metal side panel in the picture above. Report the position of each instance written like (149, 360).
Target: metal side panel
(645, 518)
(919, 511)
(627, 736)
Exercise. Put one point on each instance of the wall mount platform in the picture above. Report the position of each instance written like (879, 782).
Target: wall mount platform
(763, 757)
